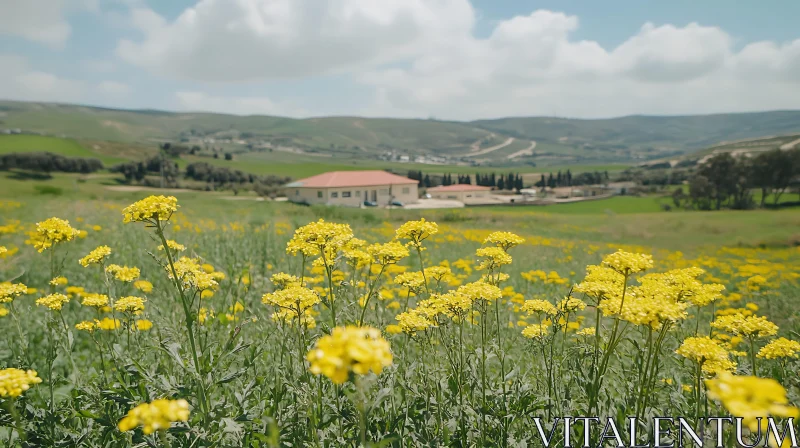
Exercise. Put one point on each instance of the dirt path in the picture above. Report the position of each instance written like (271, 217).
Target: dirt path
(524, 152)
(492, 148)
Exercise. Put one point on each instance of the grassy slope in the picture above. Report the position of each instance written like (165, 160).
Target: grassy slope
(681, 133)
(65, 147)
(573, 141)
(622, 220)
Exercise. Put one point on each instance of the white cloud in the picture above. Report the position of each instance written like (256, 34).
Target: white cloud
(251, 105)
(529, 65)
(234, 40)
(42, 21)
(113, 88)
(20, 82)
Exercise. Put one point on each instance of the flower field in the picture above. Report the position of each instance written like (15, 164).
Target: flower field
(151, 323)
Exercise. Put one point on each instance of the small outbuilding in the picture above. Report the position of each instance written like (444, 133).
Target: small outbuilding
(466, 193)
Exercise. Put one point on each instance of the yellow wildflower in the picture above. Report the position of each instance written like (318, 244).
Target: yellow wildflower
(143, 286)
(59, 281)
(151, 209)
(52, 231)
(107, 324)
(13, 382)
(8, 291)
(504, 240)
(387, 253)
(416, 232)
(94, 299)
(86, 326)
(349, 349)
(754, 399)
(780, 348)
(155, 416)
(53, 301)
(95, 256)
(706, 352)
(143, 324)
(123, 273)
(174, 245)
(130, 304)
(627, 263)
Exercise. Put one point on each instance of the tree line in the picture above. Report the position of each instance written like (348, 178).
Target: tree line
(728, 181)
(511, 181)
(215, 177)
(568, 180)
(47, 162)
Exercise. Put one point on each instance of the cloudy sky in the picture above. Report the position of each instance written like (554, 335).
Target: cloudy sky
(450, 59)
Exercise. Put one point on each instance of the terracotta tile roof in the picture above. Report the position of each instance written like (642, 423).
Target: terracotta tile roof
(459, 187)
(339, 179)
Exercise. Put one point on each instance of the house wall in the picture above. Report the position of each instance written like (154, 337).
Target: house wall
(355, 196)
(463, 196)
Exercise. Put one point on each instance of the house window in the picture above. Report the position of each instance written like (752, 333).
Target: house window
(297, 192)
(358, 193)
(452, 197)
(406, 190)
(319, 194)
(469, 195)
(345, 194)
(334, 194)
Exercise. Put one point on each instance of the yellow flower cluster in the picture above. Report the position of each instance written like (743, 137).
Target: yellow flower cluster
(504, 240)
(536, 331)
(143, 286)
(754, 399)
(59, 281)
(627, 263)
(293, 301)
(107, 324)
(8, 291)
(750, 326)
(387, 253)
(95, 256)
(706, 352)
(571, 304)
(155, 416)
(85, 326)
(320, 238)
(283, 280)
(130, 304)
(492, 258)
(191, 274)
(173, 245)
(414, 281)
(538, 306)
(780, 348)
(416, 232)
(53, 301)
(94, 299)
(151, 209)
(51, 232)
(413, 321)
(349, 349)
(123, 273)
(13, 382)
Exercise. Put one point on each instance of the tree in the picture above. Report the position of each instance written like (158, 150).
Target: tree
(718, 171)
(701, 191)
(772, 172)
(228, 156)
(501, 183)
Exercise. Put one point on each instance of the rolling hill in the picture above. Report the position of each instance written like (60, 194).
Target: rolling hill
(507, 142)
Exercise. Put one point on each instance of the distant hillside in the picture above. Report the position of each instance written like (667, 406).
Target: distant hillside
(751, 146)
(647, 137)
(508, 142)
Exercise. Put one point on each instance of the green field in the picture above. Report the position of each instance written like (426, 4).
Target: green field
(246, 372)
(61, 146)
